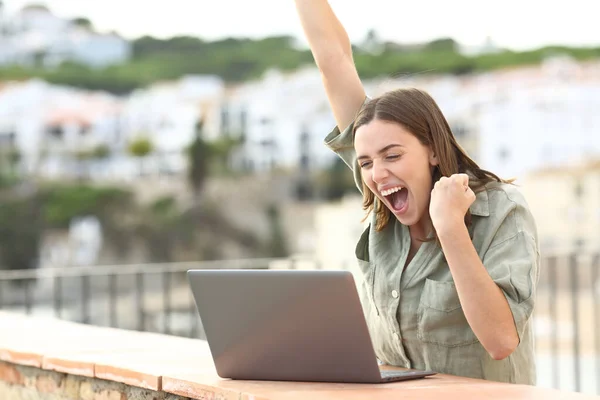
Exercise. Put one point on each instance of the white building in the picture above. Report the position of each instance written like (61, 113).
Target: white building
(283, 119)
(167, 114)
(49, 124)
(542, 117)
(35, 36)
(518, 120)
(511, 121)
(565, 202)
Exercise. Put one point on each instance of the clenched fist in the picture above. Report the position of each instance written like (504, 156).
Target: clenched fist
(451, 197)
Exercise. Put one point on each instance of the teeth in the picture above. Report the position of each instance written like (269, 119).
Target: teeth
(390, 191)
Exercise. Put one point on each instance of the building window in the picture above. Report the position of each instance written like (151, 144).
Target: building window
(56, 131)
(460, 130)
(503, 154)
(7, 138)
(84, 130)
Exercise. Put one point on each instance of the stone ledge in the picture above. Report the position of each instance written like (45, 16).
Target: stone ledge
(24, 382)
(47, 359)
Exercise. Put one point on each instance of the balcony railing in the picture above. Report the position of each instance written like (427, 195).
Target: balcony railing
(156, 298)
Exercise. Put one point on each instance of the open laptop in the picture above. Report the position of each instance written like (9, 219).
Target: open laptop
(291, 325)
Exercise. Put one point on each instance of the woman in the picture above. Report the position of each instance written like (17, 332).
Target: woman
(450, 258)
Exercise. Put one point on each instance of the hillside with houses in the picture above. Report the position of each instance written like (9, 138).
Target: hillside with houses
(177, 148)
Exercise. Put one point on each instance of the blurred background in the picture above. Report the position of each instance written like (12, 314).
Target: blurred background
(139, 139)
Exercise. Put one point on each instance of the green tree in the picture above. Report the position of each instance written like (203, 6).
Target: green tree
(84, 157)
(205, 158)
(238, 60)
(198, 154)
(338, 181)
(100, 152)
(277, 244)
(114, 207)
(9, 165)
(20, 232)
(160, 227)
(61, 203)
(14, 158)
(83, 22)
(141, 148)
(220, 151)
(443, 44)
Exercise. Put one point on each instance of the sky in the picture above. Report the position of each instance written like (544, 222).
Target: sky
(516, 24)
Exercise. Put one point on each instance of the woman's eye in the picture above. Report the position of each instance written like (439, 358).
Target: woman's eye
(392, 157)
(365, 164)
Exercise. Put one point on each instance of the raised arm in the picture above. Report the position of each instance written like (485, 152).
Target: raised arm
(332, 52)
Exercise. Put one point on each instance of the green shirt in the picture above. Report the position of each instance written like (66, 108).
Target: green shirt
(415, 316)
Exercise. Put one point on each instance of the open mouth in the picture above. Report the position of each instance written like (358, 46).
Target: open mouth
(397, 198)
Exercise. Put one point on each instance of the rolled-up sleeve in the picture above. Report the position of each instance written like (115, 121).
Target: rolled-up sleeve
(342, 143)
(513, 264)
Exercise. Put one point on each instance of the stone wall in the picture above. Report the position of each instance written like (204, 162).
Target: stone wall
(28, 383)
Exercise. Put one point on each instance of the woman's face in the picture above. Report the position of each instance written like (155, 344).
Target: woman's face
(397, 168)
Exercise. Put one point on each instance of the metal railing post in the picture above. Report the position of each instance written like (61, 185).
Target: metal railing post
(552, 279)
(139, 279)
(573, 269)
(85, 299)
(167, 301)
(57, 296)
(112, 301)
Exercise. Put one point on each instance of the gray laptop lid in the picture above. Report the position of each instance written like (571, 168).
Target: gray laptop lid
(285, 325)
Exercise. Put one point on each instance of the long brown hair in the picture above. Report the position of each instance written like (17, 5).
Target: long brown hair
(417, 112)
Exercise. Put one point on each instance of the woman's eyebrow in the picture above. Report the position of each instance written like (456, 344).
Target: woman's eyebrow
(386, 148)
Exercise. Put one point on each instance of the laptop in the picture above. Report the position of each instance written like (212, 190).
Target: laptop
(288, 325)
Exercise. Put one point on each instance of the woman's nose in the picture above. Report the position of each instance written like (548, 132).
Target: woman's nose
(380, 173)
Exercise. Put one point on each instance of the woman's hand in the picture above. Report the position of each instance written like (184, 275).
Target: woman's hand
(451, 197)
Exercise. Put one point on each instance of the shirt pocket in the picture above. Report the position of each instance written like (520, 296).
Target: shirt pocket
(441, 319)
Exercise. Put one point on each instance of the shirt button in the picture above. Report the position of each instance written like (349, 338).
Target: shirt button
(395, 294)
(396, 336)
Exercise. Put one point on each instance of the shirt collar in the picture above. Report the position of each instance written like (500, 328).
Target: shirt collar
(481, 205)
